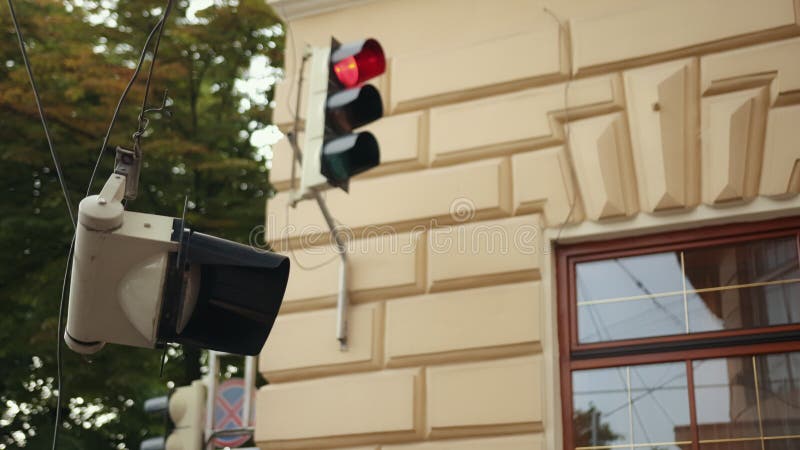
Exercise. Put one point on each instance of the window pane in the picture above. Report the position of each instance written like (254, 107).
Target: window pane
(751, 307)
(779, 393)
(782, 444)
(742, 263)
(630, 319)
(628, 277)
(650, 400)
(735, 445)
(726, 399)
(666, 447)
(660, 403)
(600, 407)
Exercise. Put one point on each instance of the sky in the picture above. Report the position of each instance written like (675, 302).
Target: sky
(259, 76)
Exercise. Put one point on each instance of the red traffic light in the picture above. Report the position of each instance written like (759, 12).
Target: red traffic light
(357, 62)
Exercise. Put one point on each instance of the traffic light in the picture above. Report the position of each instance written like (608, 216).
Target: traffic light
(184, 410)
(145, 280)
(338, 103)
(157, 405)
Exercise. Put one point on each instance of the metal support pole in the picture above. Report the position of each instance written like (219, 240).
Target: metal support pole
(211, 384)
(249, 386)
(211, 391)
(342, 301)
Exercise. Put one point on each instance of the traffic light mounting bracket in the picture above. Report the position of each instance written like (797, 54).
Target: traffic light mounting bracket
(311, 179)
(338, 102)
(342, 301)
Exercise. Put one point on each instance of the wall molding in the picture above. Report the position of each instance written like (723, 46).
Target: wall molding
(290, 10)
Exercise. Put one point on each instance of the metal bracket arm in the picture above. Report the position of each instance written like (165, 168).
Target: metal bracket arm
(342, 301)
(128, 163)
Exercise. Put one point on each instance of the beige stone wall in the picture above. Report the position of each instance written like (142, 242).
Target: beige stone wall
(506, 128)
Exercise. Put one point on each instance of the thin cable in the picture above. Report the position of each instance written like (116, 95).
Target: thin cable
(296, 127)
(122, 97)
(297, 261)
(59, 363)
(293, 137)
(142, 121)
(290, 34)
(567, 130)
(35, 87)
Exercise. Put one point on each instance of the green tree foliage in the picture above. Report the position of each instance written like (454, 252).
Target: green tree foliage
(83, 53)
(590, 430)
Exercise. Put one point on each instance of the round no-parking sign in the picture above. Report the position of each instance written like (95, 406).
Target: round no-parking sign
(229, 411)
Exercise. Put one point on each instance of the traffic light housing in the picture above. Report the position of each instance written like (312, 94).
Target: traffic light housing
(145, 280)
(338, 103)
(184, 411)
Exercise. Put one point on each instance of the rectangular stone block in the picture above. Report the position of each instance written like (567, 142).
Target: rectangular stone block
(485, 322)
(382, 265)
(304, 344)
(482, 253)
(543, 181)
(648, 29)
(491, 397)
(477, 190)
(403, 142)
(313, 280)
(340, 411)
(521, 120)
(428, 77)
(387, 265)
(519, 442)
(776, 60)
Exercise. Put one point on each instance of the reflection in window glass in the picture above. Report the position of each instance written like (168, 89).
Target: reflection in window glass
(633, 276)
(728, 287)
(726, 398)
(782, 444)
(734, 415)
(660, 316)
(754, 444)
(660, 403)
(600, 407)
(750, 307)
(779, 393)
(639, 405)
(742, 263)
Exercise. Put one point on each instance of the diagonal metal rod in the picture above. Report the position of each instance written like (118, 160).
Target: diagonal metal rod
(342, 301)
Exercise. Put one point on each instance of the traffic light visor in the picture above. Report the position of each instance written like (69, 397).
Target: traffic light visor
(356, 62)
(225, 296)
(353, 108)
(348, 156)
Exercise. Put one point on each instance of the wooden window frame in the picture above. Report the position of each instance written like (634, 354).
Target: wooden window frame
(663, 349)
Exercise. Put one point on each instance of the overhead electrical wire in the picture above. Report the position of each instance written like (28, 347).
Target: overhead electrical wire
(142, 119)
(35, 88)
(567, 130)
(159, 29)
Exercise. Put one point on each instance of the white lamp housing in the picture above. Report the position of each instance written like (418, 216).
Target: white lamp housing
(144, 280)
